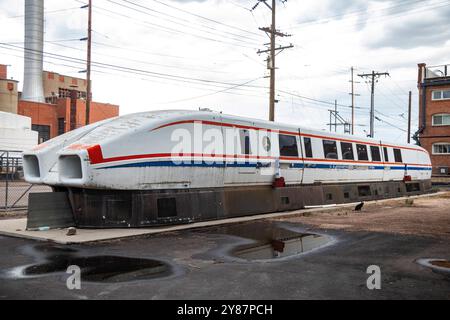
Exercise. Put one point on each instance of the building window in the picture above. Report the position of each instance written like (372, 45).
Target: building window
(441, 95)
(43, 132)
(61, 126)
(288, 146)
(347, 151)
(375, 152)
(245, 142)
(441, 148)
(308, 147)
(386, 157)
(330, 149)
(441, 119)
(362, 152)
(398, 155)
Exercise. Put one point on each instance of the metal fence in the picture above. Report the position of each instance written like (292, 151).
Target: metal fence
(14, 190)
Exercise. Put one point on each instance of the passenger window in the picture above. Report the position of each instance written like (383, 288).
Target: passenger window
(362, 152)
(330, 149)
(398, 155)
(347, 151)
(386, 157)
(375, 152)
(245, 142)
(288, 146)
(308, 147)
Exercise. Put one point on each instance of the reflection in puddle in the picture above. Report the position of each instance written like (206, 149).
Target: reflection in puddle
(271, 241)
(280, 248)
(101, 268)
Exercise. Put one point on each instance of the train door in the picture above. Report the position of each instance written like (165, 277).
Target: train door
(301, 164)
(240, 150)
(290, 163)
(386, 167)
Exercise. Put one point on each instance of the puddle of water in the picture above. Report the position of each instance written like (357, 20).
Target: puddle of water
(271, 241)
(100, 268)
(439, 265)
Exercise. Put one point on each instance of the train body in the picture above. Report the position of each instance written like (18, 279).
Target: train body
(179, 166)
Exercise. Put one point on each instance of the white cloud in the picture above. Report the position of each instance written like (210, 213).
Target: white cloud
(329, 38)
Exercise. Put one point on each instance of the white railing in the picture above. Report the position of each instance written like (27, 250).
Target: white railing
(437, 71)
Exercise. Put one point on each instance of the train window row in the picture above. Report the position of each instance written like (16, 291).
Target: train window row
(288, 148)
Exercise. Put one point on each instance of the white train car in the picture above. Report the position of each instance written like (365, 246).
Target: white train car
(166, 167)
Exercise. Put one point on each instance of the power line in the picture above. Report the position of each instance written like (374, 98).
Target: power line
(187, 24)
(364, 12)
(213, 93)
(45, 12)
(141, 72)
(204, 18)
(171, 30)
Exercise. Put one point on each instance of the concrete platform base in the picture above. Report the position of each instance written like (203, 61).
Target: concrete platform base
(17, 227)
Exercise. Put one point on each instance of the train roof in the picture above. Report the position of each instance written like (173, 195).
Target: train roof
(159, 118)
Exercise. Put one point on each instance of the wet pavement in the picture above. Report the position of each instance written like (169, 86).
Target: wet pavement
(206, 264)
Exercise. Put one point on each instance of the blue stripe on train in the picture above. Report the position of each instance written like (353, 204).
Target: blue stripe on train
(258, 165)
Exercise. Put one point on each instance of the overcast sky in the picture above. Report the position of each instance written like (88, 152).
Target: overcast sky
(191, 54)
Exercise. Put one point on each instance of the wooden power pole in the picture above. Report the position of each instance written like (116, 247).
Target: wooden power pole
(272, 33)
(373, 76)
(353, 104)
(409, 118)
(88, 66)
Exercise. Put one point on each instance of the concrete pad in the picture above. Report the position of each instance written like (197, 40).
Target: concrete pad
(17, 227)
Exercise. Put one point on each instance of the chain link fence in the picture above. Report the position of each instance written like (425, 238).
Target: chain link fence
(14, 190)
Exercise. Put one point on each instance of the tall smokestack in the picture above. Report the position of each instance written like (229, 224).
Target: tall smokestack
(34, 44)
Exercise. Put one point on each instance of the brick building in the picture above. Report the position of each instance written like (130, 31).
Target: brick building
(434, 115)
(64, 114)
(64, 108)
(8, 92)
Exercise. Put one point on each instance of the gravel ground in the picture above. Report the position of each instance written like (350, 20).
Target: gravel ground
(425, 217)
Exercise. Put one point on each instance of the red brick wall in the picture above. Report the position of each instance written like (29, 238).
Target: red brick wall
(40, 113)
(436, 160)
(48, 114)
(3, 71)
(101, 111)
(433, 134)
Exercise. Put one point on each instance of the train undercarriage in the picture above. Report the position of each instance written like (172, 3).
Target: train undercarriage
(95, 208)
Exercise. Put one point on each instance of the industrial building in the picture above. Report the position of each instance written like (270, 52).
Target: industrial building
(63, 109)
(55, 103)
(434, 115)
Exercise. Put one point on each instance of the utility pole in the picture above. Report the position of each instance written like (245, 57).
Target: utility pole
(353, 105)
(272, 33)
(338, 120)
(373, 76)
(335, 115)
(409, 118)
(353, 94)
(88, 66)
(330, 123)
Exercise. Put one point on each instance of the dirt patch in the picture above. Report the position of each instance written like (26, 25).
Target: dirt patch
(16, 214)
(425, 217)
